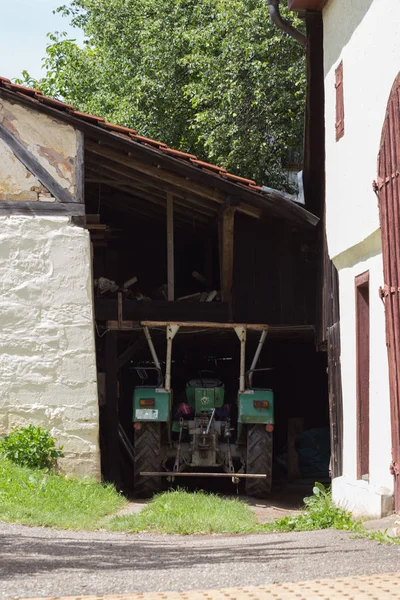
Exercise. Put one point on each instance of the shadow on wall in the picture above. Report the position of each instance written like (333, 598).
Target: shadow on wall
(341, 19)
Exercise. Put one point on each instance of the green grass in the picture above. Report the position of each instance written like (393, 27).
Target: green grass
(34, 497)
(182, 512)
(319, 513)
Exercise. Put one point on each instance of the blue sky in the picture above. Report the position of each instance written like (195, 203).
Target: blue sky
(23, 28)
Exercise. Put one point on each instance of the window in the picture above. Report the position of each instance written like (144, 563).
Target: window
(339, 102)
(362, 373)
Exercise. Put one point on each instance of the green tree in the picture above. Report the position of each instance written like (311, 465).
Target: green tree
(211, 77)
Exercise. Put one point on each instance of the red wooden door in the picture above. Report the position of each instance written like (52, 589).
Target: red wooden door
(389, 211)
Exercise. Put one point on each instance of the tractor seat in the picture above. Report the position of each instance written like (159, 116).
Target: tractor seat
(205, 383)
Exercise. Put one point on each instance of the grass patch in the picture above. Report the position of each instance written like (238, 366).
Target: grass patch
(381, 536)
(182, 512)
(36, 497)
(319, 513)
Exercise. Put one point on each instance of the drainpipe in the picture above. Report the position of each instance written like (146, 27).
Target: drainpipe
(273, 7)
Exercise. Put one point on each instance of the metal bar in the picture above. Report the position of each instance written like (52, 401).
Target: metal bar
(171, 332)
(151, 347)
(205, 325)
(257, 353)
(173, 474)
(241, 333)
(170, 247)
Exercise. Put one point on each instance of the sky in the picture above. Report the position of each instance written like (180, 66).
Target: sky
(23, 28)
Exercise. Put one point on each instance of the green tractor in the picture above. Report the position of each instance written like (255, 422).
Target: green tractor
(200, 438)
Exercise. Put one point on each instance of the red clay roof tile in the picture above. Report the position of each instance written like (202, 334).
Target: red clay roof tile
(56, 103)
(127, 132)
(149, 141)
(87, 117)
(118, 128)
(240, 179)
(206, 165)
(179, 154)
(23, 90)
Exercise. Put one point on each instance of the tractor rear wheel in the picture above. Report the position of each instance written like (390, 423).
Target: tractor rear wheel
(147, 444)
(259, 460)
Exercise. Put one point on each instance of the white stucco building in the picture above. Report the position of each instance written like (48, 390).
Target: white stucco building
(361, 62)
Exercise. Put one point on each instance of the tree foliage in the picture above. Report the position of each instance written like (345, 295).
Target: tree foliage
(211, 77)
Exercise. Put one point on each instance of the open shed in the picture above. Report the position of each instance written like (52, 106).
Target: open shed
(148, 233)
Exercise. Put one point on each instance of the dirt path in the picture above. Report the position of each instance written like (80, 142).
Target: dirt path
(42, 562)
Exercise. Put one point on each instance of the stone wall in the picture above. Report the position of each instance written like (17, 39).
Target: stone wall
(47, 349)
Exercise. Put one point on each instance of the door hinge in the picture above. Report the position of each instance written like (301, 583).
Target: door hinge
(382, 181)
(394, 469)
(387, 290)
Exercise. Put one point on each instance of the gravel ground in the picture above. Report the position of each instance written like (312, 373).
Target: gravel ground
(43, 562)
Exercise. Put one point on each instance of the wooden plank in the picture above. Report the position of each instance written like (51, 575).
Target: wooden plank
(33, 165)
(295, 427)
(205, 325)
(167, 176)
(106, 310)
(14, 207)
(170, 248)
(151, 194)
(226, 234)
(125, 176)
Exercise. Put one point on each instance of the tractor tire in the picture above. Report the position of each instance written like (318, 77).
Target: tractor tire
(259, 460)
(147, 445)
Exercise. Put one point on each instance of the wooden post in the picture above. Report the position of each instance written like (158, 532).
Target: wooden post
(226, 245)
(170, 247)
(111, 421)
(295, 426)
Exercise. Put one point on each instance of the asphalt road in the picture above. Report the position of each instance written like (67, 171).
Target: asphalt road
(42, 562)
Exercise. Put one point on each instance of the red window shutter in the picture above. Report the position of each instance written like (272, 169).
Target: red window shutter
(339, 102)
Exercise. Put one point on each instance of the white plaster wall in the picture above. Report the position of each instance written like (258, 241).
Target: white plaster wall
(360, 34)
(47, 351)
(365, 35)
(53, 143)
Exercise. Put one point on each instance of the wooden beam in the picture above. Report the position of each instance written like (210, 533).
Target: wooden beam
(226, 226)
(101, 167)
(206, 325)
(34, 167)
(142, 205)
(168, 177)
(152, 194)
(16, 207)
(170, 247)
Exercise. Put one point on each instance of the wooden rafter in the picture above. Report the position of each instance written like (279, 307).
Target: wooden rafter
(163, 175)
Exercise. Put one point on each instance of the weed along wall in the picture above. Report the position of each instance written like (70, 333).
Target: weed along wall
(47, 354)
